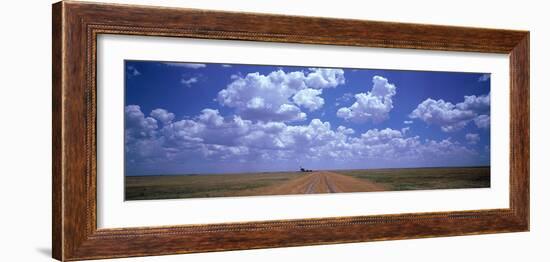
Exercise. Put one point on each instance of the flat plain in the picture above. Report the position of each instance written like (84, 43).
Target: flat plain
(316, 182)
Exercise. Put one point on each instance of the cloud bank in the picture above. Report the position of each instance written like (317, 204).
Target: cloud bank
(453, 117)
(212, 138)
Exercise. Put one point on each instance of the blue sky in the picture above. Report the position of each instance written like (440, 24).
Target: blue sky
(183, 118)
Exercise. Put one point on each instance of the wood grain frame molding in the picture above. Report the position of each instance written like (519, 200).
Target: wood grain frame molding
(76, 26)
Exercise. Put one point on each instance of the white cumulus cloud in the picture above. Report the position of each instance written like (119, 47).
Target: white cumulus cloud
(162, 115)
(374, 105)
(278, 96)
(137, 124)
(476, 103)
(442, 113)
(325, 78)
(451, 117)
(309, 98)
(483, 121)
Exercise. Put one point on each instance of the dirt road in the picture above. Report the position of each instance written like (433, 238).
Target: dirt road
(322, 182)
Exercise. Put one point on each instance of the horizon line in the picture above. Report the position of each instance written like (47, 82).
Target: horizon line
(297, 170)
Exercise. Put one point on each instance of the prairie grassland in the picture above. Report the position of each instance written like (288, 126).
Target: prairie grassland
(194, 186)
(426, 178)
(284, 183)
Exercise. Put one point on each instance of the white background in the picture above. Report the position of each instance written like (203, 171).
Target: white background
(25, 92)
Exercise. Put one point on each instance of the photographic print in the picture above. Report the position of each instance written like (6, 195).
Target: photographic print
(199, 130)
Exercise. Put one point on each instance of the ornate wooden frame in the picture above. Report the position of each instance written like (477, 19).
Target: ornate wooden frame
(76, 26)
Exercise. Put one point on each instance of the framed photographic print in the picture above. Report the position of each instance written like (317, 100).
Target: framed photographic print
(249, 130)
(182, 130)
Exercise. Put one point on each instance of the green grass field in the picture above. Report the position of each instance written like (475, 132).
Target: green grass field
(250, 184)
(426, 178)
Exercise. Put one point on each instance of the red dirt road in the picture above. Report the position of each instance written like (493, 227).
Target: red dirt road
(322, 182)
